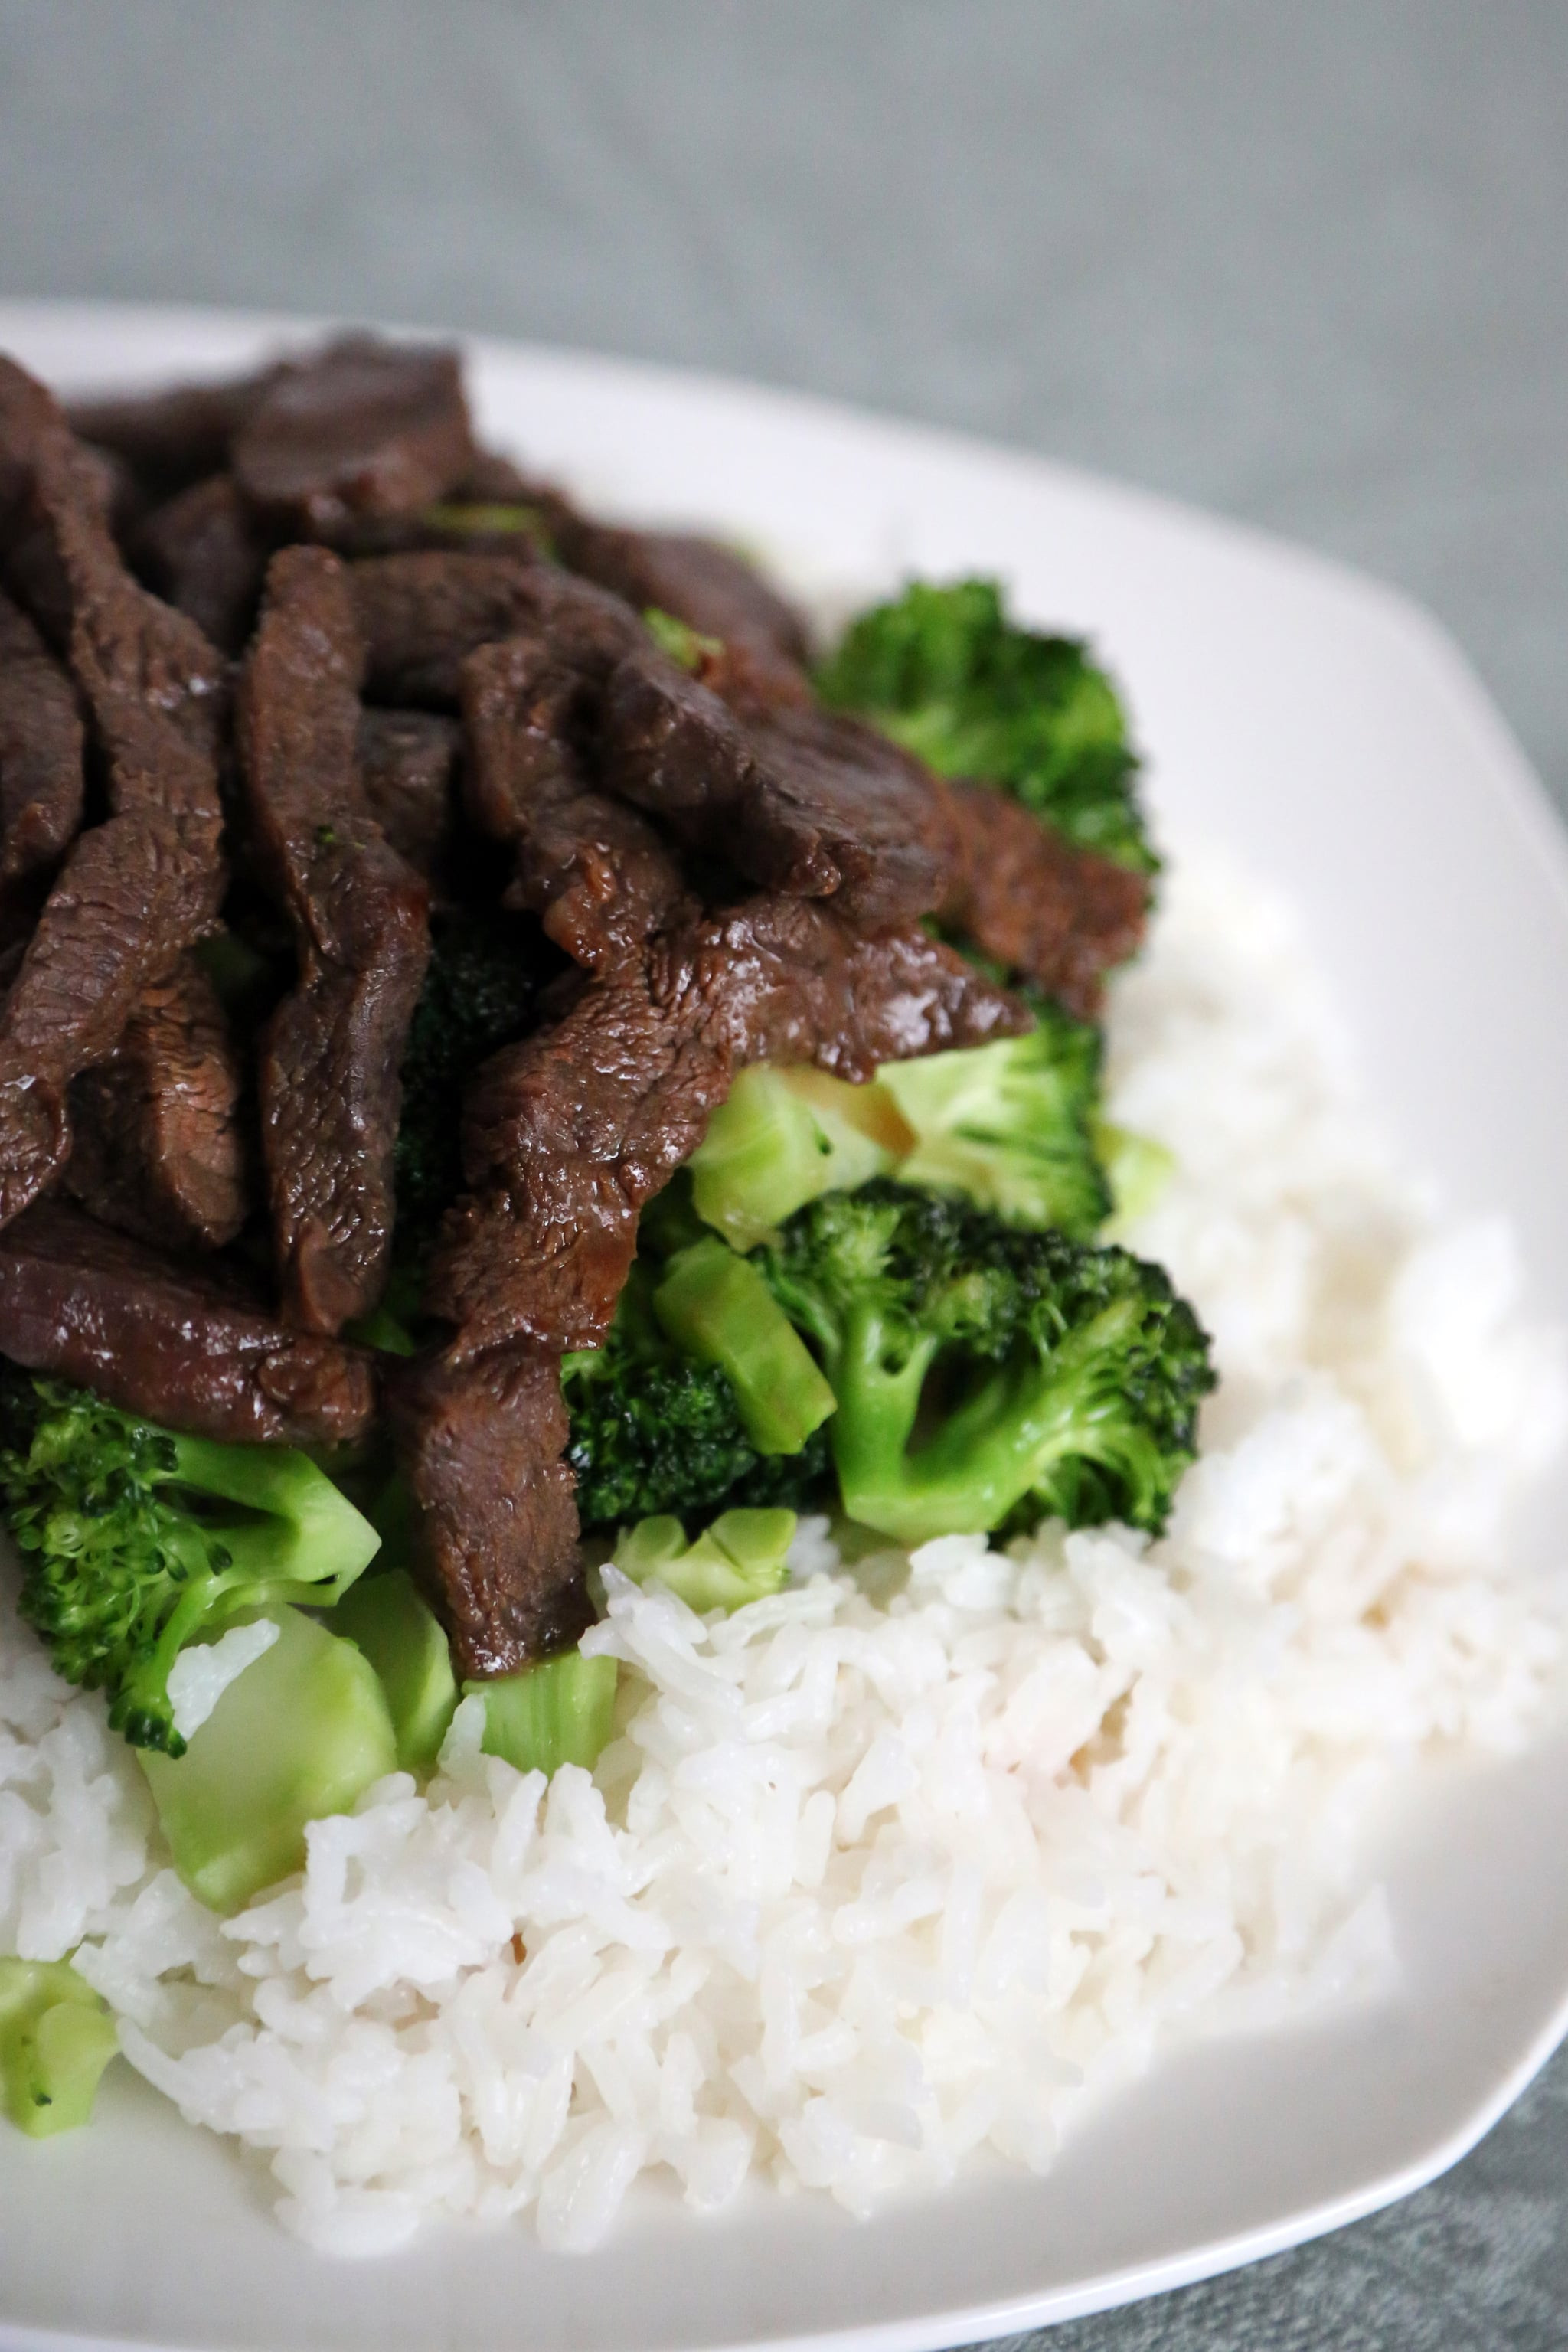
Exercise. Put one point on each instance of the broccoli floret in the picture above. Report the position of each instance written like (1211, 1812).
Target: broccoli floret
(945, 672)
(134, 1541)
(988, 1377)
(481, 992)
(1011, 1125)
(655, 1432)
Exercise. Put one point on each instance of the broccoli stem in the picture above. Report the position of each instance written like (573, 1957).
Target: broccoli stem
(56, 2039)
(782, 1137)
(741, 1558)
(386, 1618)
(560, 1711)
(986, 1454)
(303, 1733)
(719, 1308)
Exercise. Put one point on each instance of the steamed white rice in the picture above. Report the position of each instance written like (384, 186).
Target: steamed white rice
(913, 1863)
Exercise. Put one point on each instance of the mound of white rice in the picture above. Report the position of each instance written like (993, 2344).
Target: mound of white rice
(910, 1864)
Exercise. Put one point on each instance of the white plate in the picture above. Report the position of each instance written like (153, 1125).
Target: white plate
(1331, 735)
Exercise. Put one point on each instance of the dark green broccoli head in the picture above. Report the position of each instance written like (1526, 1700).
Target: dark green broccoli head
(481, 992)
(943, 671)
(653, 1432)
(987, 1376)
(133, 1540)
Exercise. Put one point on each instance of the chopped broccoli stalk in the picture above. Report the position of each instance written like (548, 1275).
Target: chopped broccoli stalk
(947, 674)
(560, 1711)
(1137, 1167)
(652, 1430)
(491, 518)
(782, 1137)
(56, 2039)
(134, 1539)
(678, 639)
(384, 1331)
(988, 1376)
(742, 1556)
(717, 1308)
(1009, 1124)
(303, 1732)
(387, 1618)
(481, 988)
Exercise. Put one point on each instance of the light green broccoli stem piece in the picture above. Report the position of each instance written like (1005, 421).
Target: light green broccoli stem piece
(386, 1617)
(678, 639)
(719, 1308)
(782, 1137)
(1137, 1169)
(56, 2039)
(303, 1732)
(742, 1556)
(560, 1711)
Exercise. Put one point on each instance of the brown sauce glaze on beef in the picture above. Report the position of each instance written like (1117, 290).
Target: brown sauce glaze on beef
(423, 614)
(408, 764)
(330, 1090)
(803, 800)
(181, 1346)
(40, 765)
(598, 875)
(201, 553)
(480, 1445)
(158, 1149)
(361, 428)
(1062, 916)
(137, 888)
(699, 581)
(171, 438)
(569, 1133)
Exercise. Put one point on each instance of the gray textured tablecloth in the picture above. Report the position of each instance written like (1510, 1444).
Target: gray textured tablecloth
(1299, 260)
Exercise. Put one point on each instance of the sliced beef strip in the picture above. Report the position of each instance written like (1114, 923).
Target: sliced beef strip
(1060, 915)
(597, 873)
(408, 763)
(146, 883)
(567, 1134)
(361, 427)
(330, 1090)
(201, 552)
(159, 1150)
(183, 1347)
(172, 437)
(805, 800)
(40, 762)
(422, 615)
(496, 1518)
(699, 581)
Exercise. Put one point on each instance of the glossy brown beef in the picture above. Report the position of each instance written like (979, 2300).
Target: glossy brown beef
(803, 800)
(158, 1147)
(423, 614)
(569, 1133)
(361, 428)
(1062, 916)
(147, 882)
(496, 1545)
(408, 763)
(202, 553)
(599, 875)
(40, 762)
(180, 1346)
(171, 438)
(330, 1090)
(697, 580)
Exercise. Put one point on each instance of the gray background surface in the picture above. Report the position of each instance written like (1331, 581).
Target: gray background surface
(1302, 261)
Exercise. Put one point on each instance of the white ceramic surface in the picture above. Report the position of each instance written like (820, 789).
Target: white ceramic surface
(1331, 734)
